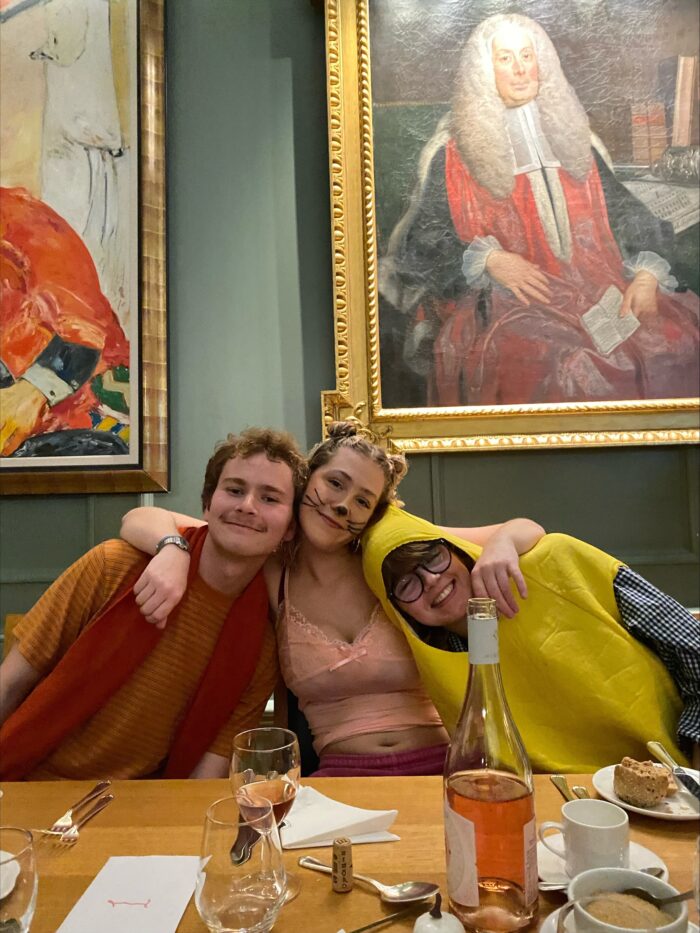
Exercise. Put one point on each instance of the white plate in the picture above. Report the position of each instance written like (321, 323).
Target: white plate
(551, 868)
(549, 924)
(679, 806)
(8, 875)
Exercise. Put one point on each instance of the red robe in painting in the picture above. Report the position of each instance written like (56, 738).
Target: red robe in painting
(50, 287)
(542, 353)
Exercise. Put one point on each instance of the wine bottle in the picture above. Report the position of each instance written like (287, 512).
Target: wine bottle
(490, 833)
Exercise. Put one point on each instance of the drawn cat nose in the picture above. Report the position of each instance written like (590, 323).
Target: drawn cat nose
(341, 510)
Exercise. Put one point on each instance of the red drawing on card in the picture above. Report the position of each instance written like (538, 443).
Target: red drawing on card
(130, 903)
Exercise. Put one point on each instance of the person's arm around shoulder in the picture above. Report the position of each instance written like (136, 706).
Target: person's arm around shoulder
(498, 563)
(17, 679)
(162, 585)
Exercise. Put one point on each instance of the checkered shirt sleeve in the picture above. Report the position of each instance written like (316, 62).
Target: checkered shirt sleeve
(671, 632)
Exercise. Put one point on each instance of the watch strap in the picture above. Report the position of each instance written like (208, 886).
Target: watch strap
(177, 540)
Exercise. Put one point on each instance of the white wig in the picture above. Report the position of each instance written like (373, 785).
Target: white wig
(478, 122)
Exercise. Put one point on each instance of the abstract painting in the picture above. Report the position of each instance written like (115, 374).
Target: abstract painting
(83, 394)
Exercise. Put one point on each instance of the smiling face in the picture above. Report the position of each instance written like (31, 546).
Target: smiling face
(445, 595)
(250, 512)
(340, 499)
(515, 66)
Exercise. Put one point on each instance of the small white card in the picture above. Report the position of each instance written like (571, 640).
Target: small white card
(141, 894)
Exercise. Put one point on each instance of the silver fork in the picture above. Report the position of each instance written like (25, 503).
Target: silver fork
(64, 823)
(71, 835)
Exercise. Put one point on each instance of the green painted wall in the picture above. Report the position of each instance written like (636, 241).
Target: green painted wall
(251, 334)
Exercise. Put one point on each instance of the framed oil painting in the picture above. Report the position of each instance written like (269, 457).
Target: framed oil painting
(514, 213)
(83, 341)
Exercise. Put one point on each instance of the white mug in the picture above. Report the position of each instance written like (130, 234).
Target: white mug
(595, 835)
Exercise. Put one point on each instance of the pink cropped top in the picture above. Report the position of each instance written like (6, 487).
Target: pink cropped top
(349, 688)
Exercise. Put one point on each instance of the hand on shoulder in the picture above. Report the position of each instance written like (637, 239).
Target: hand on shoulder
(160, 588)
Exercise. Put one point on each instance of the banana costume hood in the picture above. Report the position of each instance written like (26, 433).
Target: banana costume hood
(583, 692)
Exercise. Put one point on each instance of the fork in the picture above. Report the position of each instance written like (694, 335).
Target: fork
(64, 823)
(70, 836)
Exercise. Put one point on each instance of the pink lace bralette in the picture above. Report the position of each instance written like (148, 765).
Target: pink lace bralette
(344, 688)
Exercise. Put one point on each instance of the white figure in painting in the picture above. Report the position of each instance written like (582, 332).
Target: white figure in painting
(85, 171)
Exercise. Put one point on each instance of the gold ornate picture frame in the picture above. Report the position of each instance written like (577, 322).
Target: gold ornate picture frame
(111, 435)
(358, 244)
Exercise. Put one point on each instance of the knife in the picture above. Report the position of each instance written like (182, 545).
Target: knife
(562, 786)
(687, 780)
(387, 919)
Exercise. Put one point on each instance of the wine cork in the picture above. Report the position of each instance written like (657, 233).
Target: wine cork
(342, 865)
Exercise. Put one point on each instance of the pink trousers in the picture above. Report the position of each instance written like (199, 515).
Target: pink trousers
(430, 760)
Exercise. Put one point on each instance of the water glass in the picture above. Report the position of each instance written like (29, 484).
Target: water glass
(240, 890)
(18, 879)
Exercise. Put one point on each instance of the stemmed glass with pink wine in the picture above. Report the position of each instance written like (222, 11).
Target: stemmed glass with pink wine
(267, 763)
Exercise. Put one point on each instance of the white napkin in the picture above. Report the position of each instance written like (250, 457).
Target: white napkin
(316, 820)
(141, 894)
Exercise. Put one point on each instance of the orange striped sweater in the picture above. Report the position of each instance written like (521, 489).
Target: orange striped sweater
(131, 735)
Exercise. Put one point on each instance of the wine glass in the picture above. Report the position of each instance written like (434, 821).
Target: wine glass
(240, 890)
(267, 762)
(18, 879)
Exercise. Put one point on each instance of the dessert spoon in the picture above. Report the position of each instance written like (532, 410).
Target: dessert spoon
(403, 893)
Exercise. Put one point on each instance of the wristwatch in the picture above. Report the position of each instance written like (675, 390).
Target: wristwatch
(177, 540)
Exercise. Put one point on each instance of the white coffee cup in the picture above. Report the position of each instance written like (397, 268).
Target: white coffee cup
(595, 835)
(619, 879)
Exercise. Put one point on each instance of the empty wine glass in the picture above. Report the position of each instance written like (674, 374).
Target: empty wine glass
(18, 879)
(267, 761)
(240, 889)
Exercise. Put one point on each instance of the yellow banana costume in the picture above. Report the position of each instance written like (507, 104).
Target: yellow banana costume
(582, 691)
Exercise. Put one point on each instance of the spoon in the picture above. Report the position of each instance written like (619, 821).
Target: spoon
(658, 901)
(581, 792)
(656, 871)
(403, 893)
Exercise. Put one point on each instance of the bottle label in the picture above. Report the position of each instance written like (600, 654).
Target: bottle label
(530, 861)
(460, 846)
(483, 640)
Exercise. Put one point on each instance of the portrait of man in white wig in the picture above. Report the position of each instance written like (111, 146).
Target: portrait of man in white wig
(528, 273)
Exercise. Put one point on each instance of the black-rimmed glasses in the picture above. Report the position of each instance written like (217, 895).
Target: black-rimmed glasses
(409, 587)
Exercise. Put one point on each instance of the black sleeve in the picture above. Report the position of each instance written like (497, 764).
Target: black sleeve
(428, 261)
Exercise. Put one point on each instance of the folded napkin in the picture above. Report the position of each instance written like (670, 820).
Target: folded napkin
(316, 820)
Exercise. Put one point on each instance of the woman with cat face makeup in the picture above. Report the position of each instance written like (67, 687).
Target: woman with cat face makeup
(349, 666)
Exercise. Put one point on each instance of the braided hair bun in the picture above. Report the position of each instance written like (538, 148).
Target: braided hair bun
(353, 435)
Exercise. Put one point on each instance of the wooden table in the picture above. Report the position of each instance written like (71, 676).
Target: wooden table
(165, 818)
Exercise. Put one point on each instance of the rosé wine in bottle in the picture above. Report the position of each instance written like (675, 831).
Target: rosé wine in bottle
(490, 833)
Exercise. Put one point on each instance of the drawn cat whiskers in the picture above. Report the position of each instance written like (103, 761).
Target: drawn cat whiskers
(314, 501)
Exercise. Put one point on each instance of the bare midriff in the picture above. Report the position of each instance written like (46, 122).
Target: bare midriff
(400, 740)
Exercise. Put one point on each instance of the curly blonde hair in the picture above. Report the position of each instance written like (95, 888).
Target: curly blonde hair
(345, 434)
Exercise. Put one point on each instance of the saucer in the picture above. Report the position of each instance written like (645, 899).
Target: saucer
(549, 924)
(551, 868)
(8, 876)
(679, 806)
